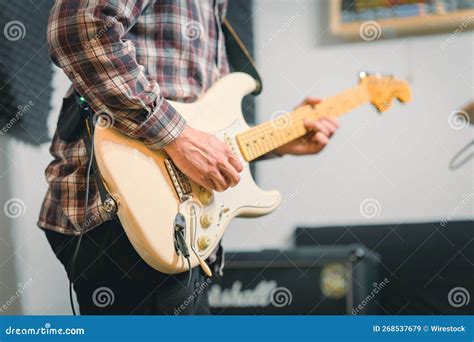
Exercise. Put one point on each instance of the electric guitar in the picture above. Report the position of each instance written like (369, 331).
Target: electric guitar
(165, 215)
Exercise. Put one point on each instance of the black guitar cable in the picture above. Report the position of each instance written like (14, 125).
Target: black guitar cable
(79, 240)
(182, 247)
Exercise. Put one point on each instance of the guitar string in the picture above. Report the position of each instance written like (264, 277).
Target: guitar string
(297, 118)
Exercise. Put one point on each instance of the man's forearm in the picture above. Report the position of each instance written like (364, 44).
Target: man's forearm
(86, 40)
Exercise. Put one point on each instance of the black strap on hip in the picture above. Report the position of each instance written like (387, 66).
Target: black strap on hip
(108, 201)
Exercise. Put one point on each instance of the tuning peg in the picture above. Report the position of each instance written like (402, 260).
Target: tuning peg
(362, 75)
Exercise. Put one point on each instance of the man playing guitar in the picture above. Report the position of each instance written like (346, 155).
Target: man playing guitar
(127, 58)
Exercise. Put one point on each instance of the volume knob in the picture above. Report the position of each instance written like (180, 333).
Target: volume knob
(203, 242)
(205, 196)
(206, 220)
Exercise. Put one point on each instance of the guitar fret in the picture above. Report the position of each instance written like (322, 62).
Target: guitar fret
(268, 136)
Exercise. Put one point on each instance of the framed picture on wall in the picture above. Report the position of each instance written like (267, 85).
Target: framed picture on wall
(374, 19)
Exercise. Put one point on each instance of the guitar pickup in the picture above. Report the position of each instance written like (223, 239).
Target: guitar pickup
(181, 183)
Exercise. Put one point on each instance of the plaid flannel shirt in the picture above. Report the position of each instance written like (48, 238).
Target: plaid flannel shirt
(127, 58)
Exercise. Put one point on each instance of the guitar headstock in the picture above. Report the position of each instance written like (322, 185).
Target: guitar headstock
(383, 89)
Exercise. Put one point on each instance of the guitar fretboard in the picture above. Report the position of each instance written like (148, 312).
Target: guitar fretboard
(286, 127)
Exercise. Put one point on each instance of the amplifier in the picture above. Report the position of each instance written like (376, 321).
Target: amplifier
(321, 280)
(429, 264)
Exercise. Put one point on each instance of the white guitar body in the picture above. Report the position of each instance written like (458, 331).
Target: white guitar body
(149, 199)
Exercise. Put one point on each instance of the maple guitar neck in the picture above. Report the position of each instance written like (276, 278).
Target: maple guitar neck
(289, 126)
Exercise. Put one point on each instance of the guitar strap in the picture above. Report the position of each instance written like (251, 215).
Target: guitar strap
(239, 56)
(108, 201)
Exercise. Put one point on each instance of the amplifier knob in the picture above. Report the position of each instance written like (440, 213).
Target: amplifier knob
(205, 196)
(204, 242)
(206, 220)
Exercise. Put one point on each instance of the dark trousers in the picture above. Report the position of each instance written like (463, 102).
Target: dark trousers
(112, 279)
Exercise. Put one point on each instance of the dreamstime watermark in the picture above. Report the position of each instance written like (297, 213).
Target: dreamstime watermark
(281, 119)
(285, 204)
(459, 296)
(102, 213)
(192, 30)
(280, 297)
(14, 30)
(370, 208)
(21, 110)
(92, 219)
(103, 297)
(285, 26)
(19, 291)
(360, 129)
(265, 293)
(465, 201)
(109, 22)
(14, 208)
(47, 329)
(377, 288)
(459, 119)
(458, 31)
(192, 297)
(103, 120)
(370, 30)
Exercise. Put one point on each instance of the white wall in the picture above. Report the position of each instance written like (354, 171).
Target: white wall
(8, 285)
(400, 159)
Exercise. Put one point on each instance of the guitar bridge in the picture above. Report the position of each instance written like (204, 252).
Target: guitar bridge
(180, 181)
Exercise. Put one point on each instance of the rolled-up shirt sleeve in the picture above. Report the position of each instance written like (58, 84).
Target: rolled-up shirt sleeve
(86, 40)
